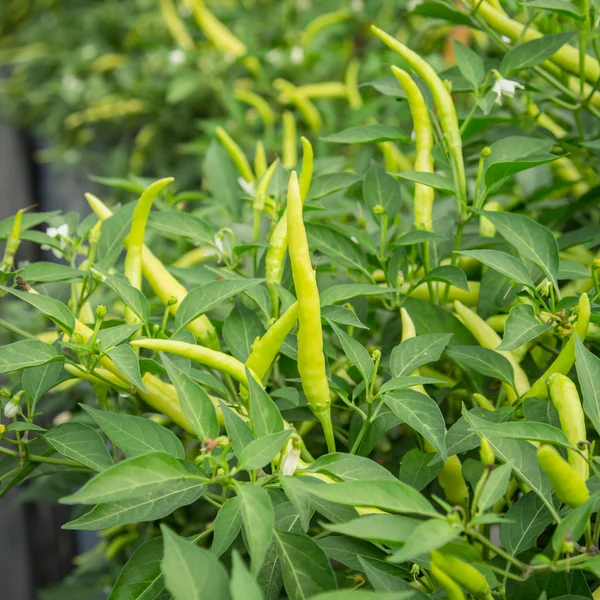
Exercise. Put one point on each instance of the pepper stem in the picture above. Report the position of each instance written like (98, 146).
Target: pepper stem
(327, 425)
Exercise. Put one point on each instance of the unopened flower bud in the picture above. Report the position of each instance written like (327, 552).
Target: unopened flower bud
(172, 301)
(5, 392)
(11, 409)
(378, 209)
(100, 312)
(487, 151)
(290, 461)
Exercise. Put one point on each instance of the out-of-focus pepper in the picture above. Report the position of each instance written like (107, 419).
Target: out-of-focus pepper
(175, 25)
(464, 574)
(236, 154)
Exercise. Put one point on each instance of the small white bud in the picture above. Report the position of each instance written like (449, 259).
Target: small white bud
(290, 461)
(11, 409)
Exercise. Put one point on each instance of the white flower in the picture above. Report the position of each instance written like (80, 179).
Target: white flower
(505, 39)
(290, 461)
(303, 5)
(296, 55)
(275, 56)
(11, 409)
(412, 4)
(219, 243)
(247, 186)
(63, 417)
(357, 5)
(505, 87)
(61, 233)
(176, 57)
(72, 84)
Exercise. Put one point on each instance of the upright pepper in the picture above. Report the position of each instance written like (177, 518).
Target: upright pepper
(289, 152)
(260, 160)
(236, 154)
(488, 338)
(445, 109)
(135, 239)
(266, 349)
(164, 285)
(566, 358)
(423, 200)
(260, 196)
(12, 243)
(351, 81)
(279, 238)
(572, 420)
(311, 359)
(567, 484)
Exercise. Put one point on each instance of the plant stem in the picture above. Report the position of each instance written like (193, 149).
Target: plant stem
(41, 459)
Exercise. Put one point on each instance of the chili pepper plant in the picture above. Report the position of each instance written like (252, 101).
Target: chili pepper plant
(358, 377)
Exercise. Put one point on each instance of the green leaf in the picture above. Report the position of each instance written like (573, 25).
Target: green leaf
(574, 524)
(422, 413)
(532, 53)
(523, 430)
(192, 573)
(448, 274)
(243, 585)
(483, 360)
(25, 354)
(194, 401)
(336, 246)
(264, 414)
(383, 579)
(55, 310)
(47, 272)
(80, 443)
(349, 467)
(241, 328)
(360, 595)
(36, 381)
(415, 468)
(114, 230)
(407, 381)
(138, 476)
(261, 452)
(502, 262)
(299, 496)
(346, 291)
(204, 298)
(227, 526)
(417, 236)
(181, 224)
(439, 10)
(133, 298)
(324, 185)
(521, 327)
(221, 176)
(342, 316)
(426, 537)
(113, 336)
(588, 373)
(306, 568)
(393, 496)
(136, 435)
(367, 134)
(240, 433)
(359, 356)
(434, 180)
(469, 63)
(415, 352)
(141, 577)
(385, 529)
(560, 7)
(495, 487)
(534, 241)
(127, 361)
(381, 189)
(28, 220)
(259, 521)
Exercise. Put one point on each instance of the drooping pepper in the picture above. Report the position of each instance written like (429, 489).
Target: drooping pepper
(450, 587)
(464, 574)
(311, 359)
(175, 25)
(236, 154)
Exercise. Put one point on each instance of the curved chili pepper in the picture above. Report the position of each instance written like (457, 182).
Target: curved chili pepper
(164, 285)
(236, 154)
(12, 245)
(567, 484)
(289, 94)
(424, 194)
(311, 359)
(450, 587)
(572, 419)
(175, 25)
(566, 358)
(351, 81)
(258, 102)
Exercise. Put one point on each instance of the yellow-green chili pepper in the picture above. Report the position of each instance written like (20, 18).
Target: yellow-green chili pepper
(567, 57)
(351, 82)
(200, 354)
(483, 402)
(444, 105)
(450, 587)
(279, 238)
(422, 292)
(236, 154)
(12, 243)
(260, 196)
(424, 194)
(175, 25)
(325, 89)
(193, 257)
(488, 338)
(323, 21)
(260, 160)
(567, 484)
(486, 453)
(311, 359)
(572, 419)
(486, 227)
(453, 483)
(289, 94)
(258, 102)
(135, 239)
(566, 358)
(109, 108)
(266, 349)
(164, 285)
(289, 153)
(464, 574)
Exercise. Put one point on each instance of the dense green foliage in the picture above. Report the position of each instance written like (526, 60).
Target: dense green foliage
(191, 425)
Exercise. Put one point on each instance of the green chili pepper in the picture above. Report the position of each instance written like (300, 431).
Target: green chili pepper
(279, 238)
(572, 419)
(289, 94)
(422, 292)
(486, 227)
(12, 243)
(325, 89)
(453, 483)
(483, 402)
(323, 21)
(260, 196)
(424, 194)
(486, 453)
(566, 359)
(164, 285)
(135, 239)
(200, 354)
(266, 349)
(351, 81)
(289, 153)
(311, 359)
(236, 154)
(175, 25)
(450, 587)
(488, 338)
(444, 105)
(258, 102)
(260, 160)
(567, 484)
(464, 574)
(409, 331)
